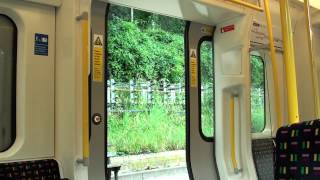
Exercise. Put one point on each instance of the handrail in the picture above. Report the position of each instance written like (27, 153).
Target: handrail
(313, 65)
(85, 89)
(289, 61)
(232, 134)
(274, 63)
(248, 5)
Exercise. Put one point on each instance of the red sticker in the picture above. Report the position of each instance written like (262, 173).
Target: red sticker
(227, 28)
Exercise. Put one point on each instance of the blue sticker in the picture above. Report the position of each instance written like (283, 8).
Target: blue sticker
(41, 44)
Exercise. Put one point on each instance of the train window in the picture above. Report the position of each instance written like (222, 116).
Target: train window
(8, 36)
(207, 89)
(258, 115)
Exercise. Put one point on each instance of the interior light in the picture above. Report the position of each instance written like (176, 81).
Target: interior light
(313, 3)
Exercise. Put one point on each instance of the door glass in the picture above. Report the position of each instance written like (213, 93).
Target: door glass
(258, 115)
(8, 36)
(207, 89)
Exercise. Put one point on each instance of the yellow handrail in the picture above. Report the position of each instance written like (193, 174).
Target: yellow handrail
(85, 89)
(289, 61)
(274, 64)
(248, 5)
(313, 65)
(232, 134)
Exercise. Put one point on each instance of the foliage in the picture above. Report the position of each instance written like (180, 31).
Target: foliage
(257, 110)
(146, 19)
(257, 94)
(150, 54)
(257, 72)
(206, 62)
(144, 48)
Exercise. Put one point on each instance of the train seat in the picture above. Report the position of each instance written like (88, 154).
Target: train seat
(38, 169)
(297, 154)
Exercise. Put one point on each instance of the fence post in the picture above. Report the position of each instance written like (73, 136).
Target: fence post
(164, 86)
(108, 93)
(149, 91)
(112, 92)
(173, 93)
(131, 89)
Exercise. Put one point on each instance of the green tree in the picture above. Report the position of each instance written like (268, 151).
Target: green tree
(138, 53)
(257, 74)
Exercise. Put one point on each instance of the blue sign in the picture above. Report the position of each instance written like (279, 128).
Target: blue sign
(41, 44)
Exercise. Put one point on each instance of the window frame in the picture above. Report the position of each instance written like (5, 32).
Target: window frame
(14, 84)
(203, 136)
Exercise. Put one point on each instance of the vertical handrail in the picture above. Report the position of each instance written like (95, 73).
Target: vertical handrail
(278, 109)
(313, 65)
(232, 133)
(85, 88)
(289, 61)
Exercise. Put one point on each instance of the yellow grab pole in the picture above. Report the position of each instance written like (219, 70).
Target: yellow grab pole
(232, 134)
(248, 5)
(289, 61)
(274, 64)
(85, 89)
(313, 65)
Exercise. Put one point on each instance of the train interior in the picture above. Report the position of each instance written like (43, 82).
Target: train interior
(56, 99)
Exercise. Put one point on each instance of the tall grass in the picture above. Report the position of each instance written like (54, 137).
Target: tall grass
(156, 128)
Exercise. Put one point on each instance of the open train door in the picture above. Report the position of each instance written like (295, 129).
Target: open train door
(200, 134)
(225, 151)
(97, 160)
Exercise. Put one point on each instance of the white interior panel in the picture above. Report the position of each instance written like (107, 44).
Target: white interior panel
(233, 85)
(35, 81)
(229, 65)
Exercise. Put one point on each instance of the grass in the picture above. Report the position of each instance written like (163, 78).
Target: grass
(161, 127)
(258, 119)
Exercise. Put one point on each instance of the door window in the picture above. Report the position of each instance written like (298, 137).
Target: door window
(8, 36)
(258, 115)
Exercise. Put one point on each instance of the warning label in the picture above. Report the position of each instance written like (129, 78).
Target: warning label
(98, 41)
(193, 68)
(98, 58)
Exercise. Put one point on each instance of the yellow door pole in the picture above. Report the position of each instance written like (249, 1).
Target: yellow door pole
(85, 89)
(289, 61)
(313, 65)
(232, 134)
(274, 64)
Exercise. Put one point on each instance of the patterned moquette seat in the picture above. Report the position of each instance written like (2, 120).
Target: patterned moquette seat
(297, 155)
(30, 170)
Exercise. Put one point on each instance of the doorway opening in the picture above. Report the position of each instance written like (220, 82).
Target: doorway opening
(146, 94)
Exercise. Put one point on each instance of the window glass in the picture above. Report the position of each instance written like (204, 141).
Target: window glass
(257, 94)
(207, 89)
(8, 35)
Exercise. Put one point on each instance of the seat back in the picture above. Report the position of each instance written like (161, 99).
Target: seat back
(297, 154)
(39, 169)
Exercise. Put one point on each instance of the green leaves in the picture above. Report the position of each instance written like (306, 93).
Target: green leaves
(257, 72)
(144, 54)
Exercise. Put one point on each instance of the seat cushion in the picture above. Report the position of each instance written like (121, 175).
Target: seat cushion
(39, 169)
(297, 154)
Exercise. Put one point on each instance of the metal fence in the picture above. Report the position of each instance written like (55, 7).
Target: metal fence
(124, 97)
(137, 96)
